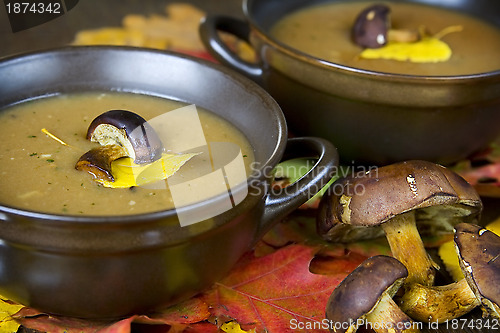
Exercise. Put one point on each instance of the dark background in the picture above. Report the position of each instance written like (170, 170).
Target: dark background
(88, 14)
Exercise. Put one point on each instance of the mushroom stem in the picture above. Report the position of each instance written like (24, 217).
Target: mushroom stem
(407, 246)
(98, 161)
(438, 303)
(403, 35)
(388, 317)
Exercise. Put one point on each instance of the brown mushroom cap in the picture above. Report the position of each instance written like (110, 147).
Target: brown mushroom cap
(371, 26)
(479, 257)
(353, 205)
(360, 292)
(128, 130)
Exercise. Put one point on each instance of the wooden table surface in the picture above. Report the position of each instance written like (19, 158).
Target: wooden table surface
(99, 13)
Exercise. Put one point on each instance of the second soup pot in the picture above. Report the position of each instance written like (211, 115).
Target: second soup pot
(372, 117)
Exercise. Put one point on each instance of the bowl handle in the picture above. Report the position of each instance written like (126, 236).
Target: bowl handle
(210, 37)
(280, 203)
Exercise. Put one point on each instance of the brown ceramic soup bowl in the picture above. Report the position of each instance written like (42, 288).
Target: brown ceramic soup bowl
(372, 117)
(108, 267)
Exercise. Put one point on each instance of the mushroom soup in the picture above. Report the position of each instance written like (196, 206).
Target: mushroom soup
(38, 168)
(324, 31)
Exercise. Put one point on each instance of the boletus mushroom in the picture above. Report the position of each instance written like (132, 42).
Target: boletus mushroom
(120, 133)
(365, 297)
(394, 199)
(478, 250)
(372, 28)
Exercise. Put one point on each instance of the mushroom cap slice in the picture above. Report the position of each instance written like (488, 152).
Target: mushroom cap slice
(479, 256)
(359, 293)
(98, 161)
(128, 130)
(371, 26)
(355, 204)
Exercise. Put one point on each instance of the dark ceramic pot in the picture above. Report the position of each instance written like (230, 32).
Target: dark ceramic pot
(108, 267)
(371, 117)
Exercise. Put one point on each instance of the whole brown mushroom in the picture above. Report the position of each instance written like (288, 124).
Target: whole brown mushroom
(478, 250)
(364, 297)
(394, 199)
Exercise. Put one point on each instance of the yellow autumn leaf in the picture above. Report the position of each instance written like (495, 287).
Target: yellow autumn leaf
(175, 30)
(128, 174)
(7, 309)
(449, 256)
(110, 36)
(426, 50)
(234, 327)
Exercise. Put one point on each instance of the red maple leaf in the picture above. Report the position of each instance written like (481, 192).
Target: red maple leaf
(275, 293)
(173, 319)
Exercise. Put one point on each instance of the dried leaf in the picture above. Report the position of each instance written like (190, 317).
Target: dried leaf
(482, 170)
(270, 293)
(298, 228)
(46, 323)
(426, 50)
(329, 262)
(176, 317)
(234, 327)
(204, 326)
(128, 174)
(486, 179)
(7, 310)
(429, 49)
(178, 30)
(191, 311)
(450, 260)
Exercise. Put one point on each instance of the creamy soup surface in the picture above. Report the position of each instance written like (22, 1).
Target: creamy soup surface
(324, 31)
(38, 173)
